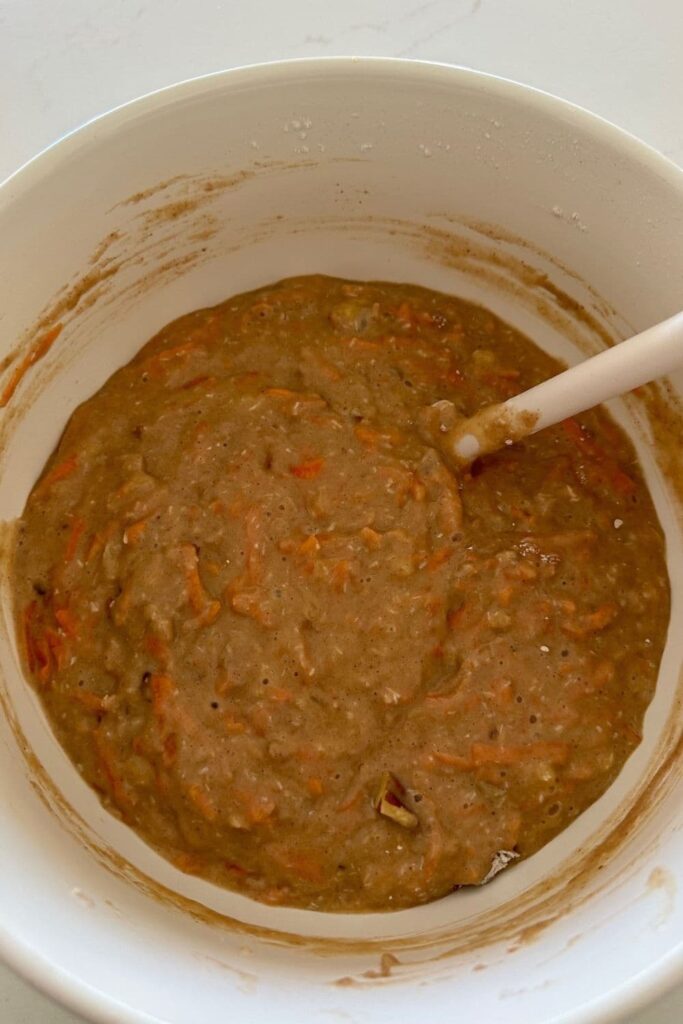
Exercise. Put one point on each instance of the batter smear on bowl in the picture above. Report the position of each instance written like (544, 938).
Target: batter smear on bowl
(295, 651)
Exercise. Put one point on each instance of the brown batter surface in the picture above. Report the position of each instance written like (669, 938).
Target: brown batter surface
(290, 647)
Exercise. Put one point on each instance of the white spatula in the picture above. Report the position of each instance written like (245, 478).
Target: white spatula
(651, 354)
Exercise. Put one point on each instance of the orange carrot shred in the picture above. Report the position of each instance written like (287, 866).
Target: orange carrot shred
(453, 760)
(202, 802)
(90, 701)
(315, 786)
(157, 647)
(341, 574)
(77, 529)
(59, 472)
(280, 694)
(111, 772)
(593, 622)
(162, 690)
(438, 558)
(608, 470)
(455, 617)
(67, 621)
(132, 534)
(308, 469)
(170, 749)
(492, 753)
(310, 546)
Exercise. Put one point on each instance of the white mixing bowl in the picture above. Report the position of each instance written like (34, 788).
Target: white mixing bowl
(566, 226)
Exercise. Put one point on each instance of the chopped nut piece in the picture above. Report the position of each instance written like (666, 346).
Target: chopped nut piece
(389, 802)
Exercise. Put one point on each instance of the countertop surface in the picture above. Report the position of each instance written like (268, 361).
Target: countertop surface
(63, 63)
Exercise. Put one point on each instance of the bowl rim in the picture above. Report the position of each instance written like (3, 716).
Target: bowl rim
(73, 992)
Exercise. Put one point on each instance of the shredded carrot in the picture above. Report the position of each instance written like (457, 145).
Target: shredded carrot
(41, 347)
(237, 869)
(59, 472)
(211, 612)
(121, 606)
(439, 558)
(233, 725)
(183, 349)
(406, 315)
(492, 753)
(443, 697)
(90, 701)
(67, 621)
(77, 528)
(154, 364)
(307, 470)
(189, 863)
(132, 534)
(324, 366)
(170, 750)
(315, 786)
(297, 397)
(593, 622)
(44, 646)
(455, 617)
(504, 596)
(99, 540)
(202, 802)
(306, 866)
(157, 647)
(503, 382)
(162, 690)
(223, 684)
(56, 645)
(250, 603)
(371, 538)
(341, 574)
(110, 769)
(606, 470)
(363, 344)
(196, 381)
(418, 490)
(453, 760)
(604, 672)
(258, 806)
(433, 853)
(280, 694)
(311, 546)
(352, 799)
(372, 438)
(43, 656)
(280, 393)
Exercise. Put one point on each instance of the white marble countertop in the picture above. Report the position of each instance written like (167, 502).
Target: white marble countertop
(63, 62)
